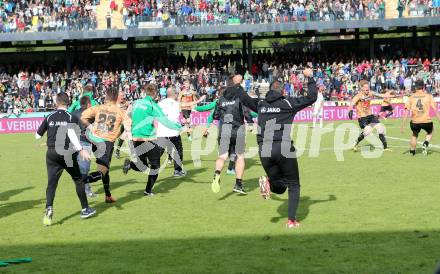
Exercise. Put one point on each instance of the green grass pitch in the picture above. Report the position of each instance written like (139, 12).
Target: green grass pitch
(359, 215)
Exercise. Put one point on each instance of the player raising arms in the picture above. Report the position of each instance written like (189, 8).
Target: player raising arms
(275, 145)
(418, 106)
(367, 121)
(187, 98)
(106, 122)
(386, 110)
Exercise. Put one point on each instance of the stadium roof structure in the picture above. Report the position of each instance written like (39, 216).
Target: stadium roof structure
(190, 31)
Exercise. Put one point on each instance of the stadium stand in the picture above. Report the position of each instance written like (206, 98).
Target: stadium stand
(32, 88)
(32, 16)
(22, 16)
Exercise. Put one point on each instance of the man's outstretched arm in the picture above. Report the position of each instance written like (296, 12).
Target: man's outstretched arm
(302, 102)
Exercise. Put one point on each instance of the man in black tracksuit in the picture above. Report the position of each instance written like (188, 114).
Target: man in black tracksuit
(60, 128)
(276, 150)
(232, 131)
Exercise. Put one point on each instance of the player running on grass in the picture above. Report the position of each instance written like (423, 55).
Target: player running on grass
(367, 121)
(187, 97)
(419, 105)
(211, 107)
(147, 148)
(275, 145)
(56, 163)
(105, 123)
(232, 132)
(386, 110)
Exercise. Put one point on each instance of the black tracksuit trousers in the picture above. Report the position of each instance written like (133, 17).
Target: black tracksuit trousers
(282, 171)
(55, 165)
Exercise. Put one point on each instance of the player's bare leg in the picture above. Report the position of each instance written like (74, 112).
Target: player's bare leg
(219, 164)
(365, 132)
(381, 131)
(413, 145)
(239, 170)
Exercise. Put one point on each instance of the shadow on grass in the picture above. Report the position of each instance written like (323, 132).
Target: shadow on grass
(169, 183)
(4, 196)
(113, 185)
(419, 151)
(73, 215)
(101, 206)
(98, 202)
(292, 252)
(226, 196)
(303, 209)
(9, 209)
(164, 185)
(121, 201)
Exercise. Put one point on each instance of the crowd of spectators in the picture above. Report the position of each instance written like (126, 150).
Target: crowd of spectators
(419, 8)
(248, 11)
(32, 89)
(58, 15)
(40, 15)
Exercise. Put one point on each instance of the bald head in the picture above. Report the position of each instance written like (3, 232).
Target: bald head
(172, 93)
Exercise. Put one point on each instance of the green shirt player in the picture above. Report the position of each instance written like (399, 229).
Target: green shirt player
(146, 148)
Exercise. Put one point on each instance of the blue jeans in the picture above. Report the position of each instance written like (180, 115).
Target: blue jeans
(84, 166)
(378, 88)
